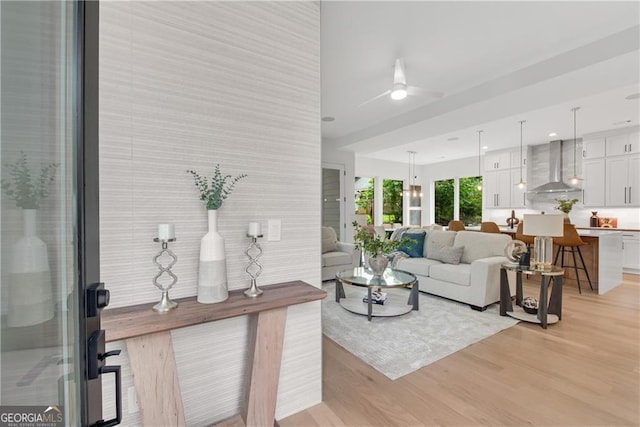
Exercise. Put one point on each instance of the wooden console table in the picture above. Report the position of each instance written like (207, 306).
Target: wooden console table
(148, 338)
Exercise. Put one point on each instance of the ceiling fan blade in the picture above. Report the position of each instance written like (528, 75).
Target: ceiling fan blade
(385, 93)
(413, 90)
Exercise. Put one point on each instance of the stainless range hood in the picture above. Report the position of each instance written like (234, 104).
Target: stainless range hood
(555, 184)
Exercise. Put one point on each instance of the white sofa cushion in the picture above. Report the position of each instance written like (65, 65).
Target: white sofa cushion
(459, 274)
(444, 253)
(478, 245)
(443, 237)
(419, 266)
(335, 258)
(329, 240)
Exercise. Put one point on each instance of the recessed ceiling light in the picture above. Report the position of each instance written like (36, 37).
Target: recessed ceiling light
(453, 138)
(328, 119)
(632, 96)
(553, 134)
(484, 147)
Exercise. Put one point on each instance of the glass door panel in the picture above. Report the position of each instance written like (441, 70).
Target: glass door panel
(39, 291)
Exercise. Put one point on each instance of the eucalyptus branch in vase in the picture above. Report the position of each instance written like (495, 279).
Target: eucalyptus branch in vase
(22, 188)
(216, 192)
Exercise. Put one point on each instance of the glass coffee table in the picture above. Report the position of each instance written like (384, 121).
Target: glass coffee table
(391, 278)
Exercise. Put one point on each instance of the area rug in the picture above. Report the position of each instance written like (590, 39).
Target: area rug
(399, 345)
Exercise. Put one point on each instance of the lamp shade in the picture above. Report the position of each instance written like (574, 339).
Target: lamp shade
(543, 225)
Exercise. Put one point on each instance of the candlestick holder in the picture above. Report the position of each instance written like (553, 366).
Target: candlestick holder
(254, 252)
(165, 303)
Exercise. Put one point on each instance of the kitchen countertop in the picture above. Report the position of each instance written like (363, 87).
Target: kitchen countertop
(582, 231)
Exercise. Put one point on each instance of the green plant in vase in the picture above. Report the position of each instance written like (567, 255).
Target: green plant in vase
(212, 271)
(565, 205)
(221, 187)
(30, 293)
(22, 188)
(377, 247)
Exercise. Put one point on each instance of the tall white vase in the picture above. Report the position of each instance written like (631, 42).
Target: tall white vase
(212, 275)
(30, 292)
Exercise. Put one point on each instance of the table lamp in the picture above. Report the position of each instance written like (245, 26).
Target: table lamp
(544, 228)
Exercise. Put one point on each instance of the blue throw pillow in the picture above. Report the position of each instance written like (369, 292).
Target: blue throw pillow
(415, 247)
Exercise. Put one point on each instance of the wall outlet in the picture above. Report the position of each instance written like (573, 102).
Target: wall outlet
(132, 400)
(275, 226)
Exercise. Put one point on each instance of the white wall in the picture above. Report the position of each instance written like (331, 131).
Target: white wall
(189, 85)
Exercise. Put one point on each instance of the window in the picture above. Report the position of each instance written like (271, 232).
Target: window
(364, 198)
(391, 201)
(443, 198)
(471, 200)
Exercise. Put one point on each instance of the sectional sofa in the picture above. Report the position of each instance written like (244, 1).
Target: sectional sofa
(460, 265)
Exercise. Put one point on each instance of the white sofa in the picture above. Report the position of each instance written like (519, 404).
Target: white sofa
(337, 256)
(474, 281)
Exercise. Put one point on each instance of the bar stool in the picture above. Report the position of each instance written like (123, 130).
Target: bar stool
(455, 225)
(571, 242)
(489, 227)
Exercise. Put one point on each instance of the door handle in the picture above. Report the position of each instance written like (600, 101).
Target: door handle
(96, 356)
(114, 370)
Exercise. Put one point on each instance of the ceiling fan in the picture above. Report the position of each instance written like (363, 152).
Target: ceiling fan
(400, 89)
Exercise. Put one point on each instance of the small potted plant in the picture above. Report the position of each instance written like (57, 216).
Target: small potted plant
(377, 247)
(565, 205)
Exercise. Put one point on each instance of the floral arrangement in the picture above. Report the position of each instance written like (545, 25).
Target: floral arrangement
(27, 192)
(565, 205)
(374, 245)
(221, 187)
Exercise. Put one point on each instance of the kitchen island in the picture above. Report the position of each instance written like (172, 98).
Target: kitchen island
(602, 255)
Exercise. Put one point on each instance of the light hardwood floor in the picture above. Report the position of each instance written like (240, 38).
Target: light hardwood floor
(582, 371)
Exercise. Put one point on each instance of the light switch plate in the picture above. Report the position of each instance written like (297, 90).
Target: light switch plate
(274, 229)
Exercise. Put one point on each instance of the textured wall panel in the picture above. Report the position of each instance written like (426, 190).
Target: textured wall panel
(186, 85)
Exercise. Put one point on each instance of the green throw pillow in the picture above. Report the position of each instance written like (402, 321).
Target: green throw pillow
(413, 248)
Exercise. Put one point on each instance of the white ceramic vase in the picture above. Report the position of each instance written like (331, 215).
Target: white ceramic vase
(212, 274)
(30, 292)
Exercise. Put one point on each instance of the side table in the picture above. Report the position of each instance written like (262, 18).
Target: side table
(549, 307)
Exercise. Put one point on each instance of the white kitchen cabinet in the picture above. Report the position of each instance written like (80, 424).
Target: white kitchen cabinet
(593, 172)
(620, 145)
(497, 189)
(631, 252)
(497, 160)
(515, 158)
(622, 180)
(593, 148)
(518, 195)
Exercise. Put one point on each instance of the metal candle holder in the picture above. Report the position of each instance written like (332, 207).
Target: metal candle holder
(254, 252)
(165, 303)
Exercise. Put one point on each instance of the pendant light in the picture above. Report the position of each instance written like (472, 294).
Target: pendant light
(412, 191)
(522, 182)
(479, 169)
(575, 179)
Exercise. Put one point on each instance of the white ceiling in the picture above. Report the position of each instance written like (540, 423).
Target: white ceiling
(496, 62)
